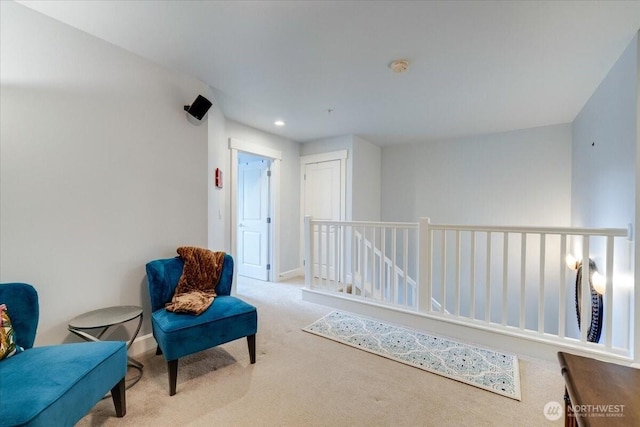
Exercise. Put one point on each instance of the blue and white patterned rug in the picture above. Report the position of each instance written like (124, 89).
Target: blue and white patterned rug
(483, 368)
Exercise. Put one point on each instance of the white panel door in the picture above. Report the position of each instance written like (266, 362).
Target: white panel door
(253, 213)
(323, 201)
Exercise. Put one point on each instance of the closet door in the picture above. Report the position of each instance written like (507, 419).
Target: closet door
(323, 201)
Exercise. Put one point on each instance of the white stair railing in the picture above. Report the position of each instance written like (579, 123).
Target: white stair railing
(516, 280)
(511, 280)
(394, 282)
(368, 260)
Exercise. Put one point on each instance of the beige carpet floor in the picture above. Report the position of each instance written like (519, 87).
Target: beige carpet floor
(301, 379)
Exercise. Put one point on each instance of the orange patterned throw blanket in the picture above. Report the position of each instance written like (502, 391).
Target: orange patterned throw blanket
(196, 288)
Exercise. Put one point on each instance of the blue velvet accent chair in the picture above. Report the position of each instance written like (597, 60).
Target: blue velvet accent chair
(54, 385)
(181, 334)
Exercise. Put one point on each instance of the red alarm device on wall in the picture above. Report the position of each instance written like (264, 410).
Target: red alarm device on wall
(218, 178)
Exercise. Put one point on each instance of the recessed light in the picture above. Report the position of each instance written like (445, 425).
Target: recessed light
(278, 123)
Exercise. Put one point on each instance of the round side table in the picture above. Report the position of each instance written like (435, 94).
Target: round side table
(105, 318)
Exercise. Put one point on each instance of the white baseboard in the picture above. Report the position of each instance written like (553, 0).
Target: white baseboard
(286, 275)
(142, 345)
(477, 335)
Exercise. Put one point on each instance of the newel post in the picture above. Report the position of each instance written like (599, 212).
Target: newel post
(424, 266)
(308, 256)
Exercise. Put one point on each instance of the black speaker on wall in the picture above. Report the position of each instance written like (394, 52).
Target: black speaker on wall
(199, 107)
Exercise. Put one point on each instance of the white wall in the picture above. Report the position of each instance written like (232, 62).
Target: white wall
(636, 298)
(326, 145)
(604, 189)
(289, 238)
(604, 147)
(100, 171)
(219, 198)
(514, 178)
(365, 164)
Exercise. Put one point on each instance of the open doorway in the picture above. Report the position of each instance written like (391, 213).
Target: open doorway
(253, 220)
(254, 190)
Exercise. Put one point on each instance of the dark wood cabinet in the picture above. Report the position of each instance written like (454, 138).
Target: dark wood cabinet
(600, 393)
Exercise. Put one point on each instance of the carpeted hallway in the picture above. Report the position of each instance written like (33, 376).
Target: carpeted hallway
(301, 379)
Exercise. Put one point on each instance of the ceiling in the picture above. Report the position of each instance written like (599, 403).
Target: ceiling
(474, 67)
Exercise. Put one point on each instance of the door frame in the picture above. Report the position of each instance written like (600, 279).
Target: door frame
(341, 155)
(258, 224)
(236, 145)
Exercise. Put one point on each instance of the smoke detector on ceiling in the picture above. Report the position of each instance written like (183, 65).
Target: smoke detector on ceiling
(399, 65)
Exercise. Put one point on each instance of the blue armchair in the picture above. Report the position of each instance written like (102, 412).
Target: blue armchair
(54, 385)
(180, 334)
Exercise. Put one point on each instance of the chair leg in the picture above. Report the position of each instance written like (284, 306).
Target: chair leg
(173, 375)
(158, 351)
(118, 394)
(251, 341)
